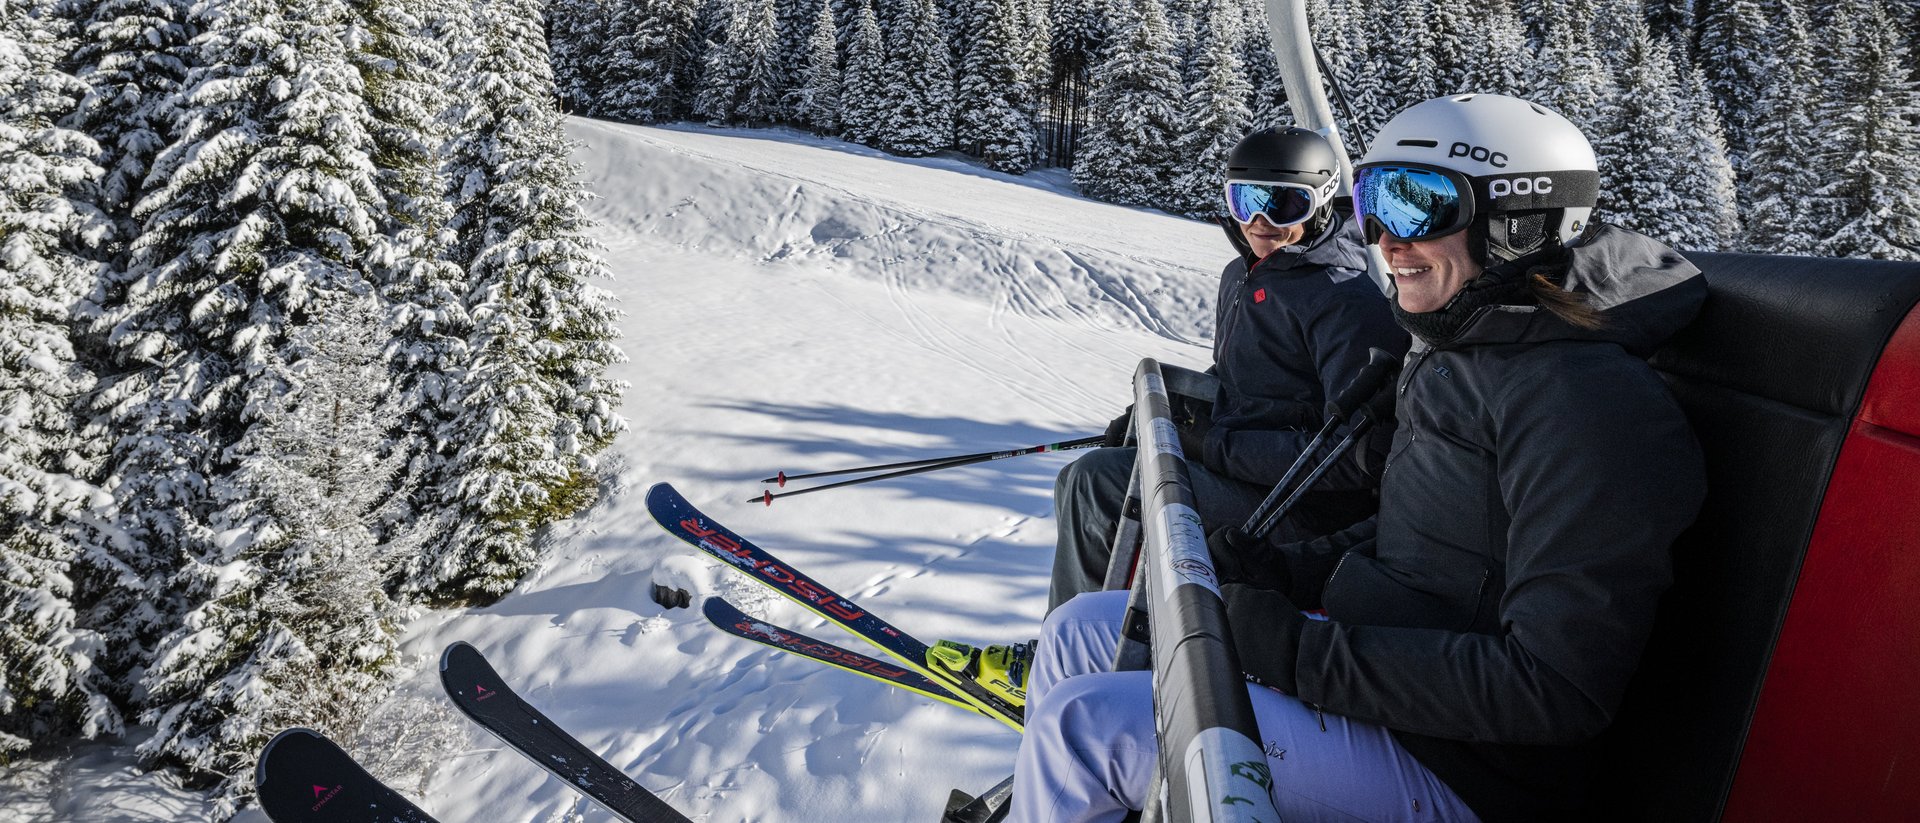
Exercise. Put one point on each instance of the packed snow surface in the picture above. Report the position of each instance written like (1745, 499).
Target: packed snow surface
(800, 304)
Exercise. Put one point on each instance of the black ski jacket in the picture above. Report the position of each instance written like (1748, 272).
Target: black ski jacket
(1494, 611)
(1290, 332)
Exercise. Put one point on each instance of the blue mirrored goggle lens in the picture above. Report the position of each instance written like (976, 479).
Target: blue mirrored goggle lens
(1409, 203)
(1282, 205)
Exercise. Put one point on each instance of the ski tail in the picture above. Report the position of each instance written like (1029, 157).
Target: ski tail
(302, 777)
(731, 620)
(482, 695)
(680, 518)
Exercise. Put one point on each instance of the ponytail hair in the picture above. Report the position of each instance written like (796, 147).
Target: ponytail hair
(1567, 305)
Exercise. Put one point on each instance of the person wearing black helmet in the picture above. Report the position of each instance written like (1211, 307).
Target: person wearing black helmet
(1295, 317)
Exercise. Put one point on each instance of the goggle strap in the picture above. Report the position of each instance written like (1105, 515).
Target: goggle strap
(1570, 188)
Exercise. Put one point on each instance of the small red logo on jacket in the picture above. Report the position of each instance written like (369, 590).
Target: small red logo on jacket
(1259, 295)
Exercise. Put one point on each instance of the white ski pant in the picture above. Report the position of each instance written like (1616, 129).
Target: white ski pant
(1089, 749)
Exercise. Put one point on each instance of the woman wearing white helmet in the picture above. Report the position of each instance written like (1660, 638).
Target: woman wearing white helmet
(1482, 629)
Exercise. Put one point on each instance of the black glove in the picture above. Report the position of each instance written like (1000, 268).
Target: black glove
(1116, 434)
(1266, 633)
(1193, 445)
(1239, 558)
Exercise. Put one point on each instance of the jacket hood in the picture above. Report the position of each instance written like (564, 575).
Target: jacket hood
(1338, 247)
(1646, 291)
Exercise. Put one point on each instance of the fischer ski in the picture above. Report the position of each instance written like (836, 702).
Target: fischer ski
(739, 624)
(303, 777)
(679, 517)
(482, 695)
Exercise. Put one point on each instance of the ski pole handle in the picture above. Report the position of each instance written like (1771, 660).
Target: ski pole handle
(1361, 423)
(1371, 378)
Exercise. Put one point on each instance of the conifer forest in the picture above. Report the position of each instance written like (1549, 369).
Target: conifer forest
(300, 334)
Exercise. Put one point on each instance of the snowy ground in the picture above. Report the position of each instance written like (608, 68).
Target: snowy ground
(800, 304)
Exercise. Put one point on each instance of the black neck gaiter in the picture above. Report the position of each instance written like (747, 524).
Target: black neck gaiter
(1440, 326)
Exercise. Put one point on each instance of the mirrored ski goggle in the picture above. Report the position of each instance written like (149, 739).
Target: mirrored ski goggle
(1283, 204)
(1410, 202)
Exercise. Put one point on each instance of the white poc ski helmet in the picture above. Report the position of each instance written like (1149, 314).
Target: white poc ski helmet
(1517, 175)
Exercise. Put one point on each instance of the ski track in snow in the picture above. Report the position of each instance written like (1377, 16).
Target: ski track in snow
(795, 303)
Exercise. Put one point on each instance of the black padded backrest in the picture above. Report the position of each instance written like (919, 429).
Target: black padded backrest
(1770, 375)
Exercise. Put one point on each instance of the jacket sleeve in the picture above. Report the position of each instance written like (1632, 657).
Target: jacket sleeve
(1336, 333)
(1599, 473)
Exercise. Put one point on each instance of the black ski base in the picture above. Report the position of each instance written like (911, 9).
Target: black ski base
(303, 777)
(484, 696)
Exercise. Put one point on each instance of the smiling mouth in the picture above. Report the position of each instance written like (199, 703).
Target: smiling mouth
(1407, 271)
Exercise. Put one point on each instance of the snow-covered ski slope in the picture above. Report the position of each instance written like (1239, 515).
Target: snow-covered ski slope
(804, 304)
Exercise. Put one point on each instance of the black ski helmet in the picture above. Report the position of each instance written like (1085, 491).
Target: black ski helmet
(1289, 155)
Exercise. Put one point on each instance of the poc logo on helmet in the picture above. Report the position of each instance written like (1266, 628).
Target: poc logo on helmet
(1492, 158)
(1519, 185)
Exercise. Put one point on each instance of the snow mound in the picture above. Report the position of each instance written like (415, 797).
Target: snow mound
(929, 224)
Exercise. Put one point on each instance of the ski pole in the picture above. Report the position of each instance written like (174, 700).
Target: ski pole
(1374, 375)
(1361, 423)
(781, 478)
(918, 467)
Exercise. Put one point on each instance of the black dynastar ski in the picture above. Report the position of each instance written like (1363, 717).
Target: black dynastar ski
(679, 517)
(303, 777)
(481, 694)
(739, 624)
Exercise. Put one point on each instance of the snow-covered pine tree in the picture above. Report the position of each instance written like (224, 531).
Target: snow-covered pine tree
(919, 84)
(49, 686)
(1616, 24)
(1451, 30)
(128, 54)
(1735, 54)
(412, 102)
(1640, 160)
(1181, 15)
(1573, 79)
(793, 25)
(963, 21)
(1076, 39)
(269, 199)
(710, 21)
(578, 31)
(1780, 173)
(1498, 58)
(643, 52)
(298, 629)
(194, 309)
(815, 103)
(741, 81)
(1126, 154)
(863, 86)
(1671, 20)
(1354, 67)
(534, 402)
(1215, 114)
(995, 92)
(1079, 32)
(1267, 95)
(1412, 72)
(1870, 134)
(1709, 217)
